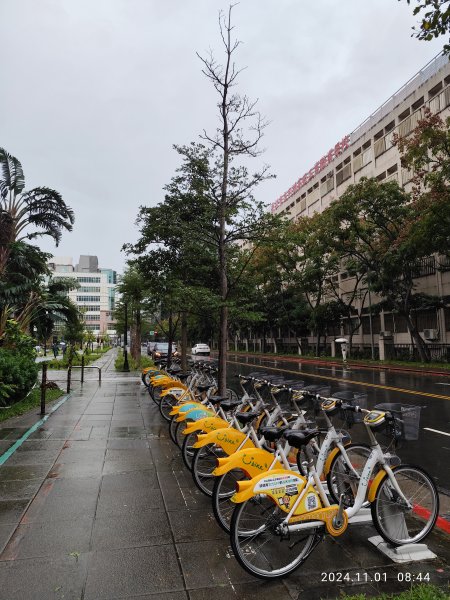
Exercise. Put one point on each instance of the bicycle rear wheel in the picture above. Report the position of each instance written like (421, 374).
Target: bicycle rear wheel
(394, 520)
(341, 478)
(258, 544)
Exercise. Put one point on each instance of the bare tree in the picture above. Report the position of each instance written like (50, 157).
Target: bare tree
(238, 215)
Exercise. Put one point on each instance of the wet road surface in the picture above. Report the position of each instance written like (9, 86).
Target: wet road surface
(431, 451)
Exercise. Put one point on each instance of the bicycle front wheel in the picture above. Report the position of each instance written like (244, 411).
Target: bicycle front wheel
(223, 490)
(396, 521)
(203, 464)
(258, 544)
(166, 405)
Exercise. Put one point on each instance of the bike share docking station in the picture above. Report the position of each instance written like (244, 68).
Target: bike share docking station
(398, 554)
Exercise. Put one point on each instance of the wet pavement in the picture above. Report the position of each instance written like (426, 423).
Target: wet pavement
(97, 504)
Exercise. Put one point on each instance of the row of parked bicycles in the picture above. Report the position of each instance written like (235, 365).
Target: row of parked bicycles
(280, 467)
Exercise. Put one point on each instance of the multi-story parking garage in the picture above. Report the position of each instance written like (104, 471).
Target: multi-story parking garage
(368, 152)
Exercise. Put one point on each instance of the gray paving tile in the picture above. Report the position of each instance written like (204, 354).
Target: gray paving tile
(19, 472)
(206, 561)
(133, 571)
(139, 481)
(52, 538)
(141, 528)
(19, 490)
(119, 504)
(127, 444)
(59, 578)
(48, 506)
(195, 525)
(6, 531)
(63, 470)
(40, 457)
(74, 454)
(12, 510)
(267, 590)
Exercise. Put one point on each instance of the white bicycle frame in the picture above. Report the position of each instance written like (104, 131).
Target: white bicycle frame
(376, 457)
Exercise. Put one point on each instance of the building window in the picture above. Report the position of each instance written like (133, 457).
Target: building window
(92, 290)
(89, 279)
(88, 298)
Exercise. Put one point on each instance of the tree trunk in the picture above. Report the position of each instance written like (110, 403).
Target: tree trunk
(169, 349)
(184, 342)
(138, 336)
(424, 351)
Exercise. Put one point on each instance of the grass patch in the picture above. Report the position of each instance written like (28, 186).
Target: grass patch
(419, 592)
(63, 363)
(146, 361)
(352, 361)
(31, 401)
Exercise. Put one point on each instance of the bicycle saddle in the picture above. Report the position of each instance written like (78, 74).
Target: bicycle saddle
(230, 404)
(272, 434)
(297, 439)
(246, 417)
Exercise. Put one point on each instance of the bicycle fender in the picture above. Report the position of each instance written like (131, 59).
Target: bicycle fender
(228, 438)
(282, 486)
(252, 461)
(375, 484)
(330, 457)
(174, 384)
(182, 408)
(195, 414)
(177, 391)
(207, 424)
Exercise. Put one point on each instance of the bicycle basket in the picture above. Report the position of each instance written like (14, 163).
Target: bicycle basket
(310, 393)
(405, 425)
(354, 399)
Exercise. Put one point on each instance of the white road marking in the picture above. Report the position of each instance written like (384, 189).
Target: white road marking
(443, 384)
(437, 431)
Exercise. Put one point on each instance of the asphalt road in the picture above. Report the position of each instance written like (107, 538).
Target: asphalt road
(431, 451)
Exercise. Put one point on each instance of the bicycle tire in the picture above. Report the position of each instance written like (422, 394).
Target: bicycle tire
(203, 464)
(173, 426)
(166, 405)
(257, 546)
(340, 479)
(187, 451)
(397, 524)
(223, 490)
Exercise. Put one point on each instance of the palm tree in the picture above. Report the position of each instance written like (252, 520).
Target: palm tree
(27, 214)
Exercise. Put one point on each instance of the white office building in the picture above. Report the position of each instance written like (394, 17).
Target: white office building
(96, 294)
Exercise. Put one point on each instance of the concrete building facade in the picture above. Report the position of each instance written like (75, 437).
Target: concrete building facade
(96, 294)
(368, 152)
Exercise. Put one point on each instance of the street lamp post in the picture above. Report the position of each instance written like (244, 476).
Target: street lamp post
(126, 366)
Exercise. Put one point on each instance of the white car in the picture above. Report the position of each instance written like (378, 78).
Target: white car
(201, 349)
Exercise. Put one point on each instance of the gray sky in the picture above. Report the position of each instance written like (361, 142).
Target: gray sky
(95, 92)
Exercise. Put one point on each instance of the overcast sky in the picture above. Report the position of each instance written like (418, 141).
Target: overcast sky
(96, 92)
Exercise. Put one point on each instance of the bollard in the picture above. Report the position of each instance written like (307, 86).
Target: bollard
(82, 369)
(99, 375)
(43, 387)
(69, 373)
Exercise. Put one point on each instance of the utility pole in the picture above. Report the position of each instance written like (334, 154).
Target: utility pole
(126, 366)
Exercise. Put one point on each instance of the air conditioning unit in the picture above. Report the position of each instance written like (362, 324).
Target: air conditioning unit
(431, 334)
(385, 334)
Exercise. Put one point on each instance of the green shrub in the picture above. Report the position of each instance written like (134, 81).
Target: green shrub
(18, 368)
(145, 362)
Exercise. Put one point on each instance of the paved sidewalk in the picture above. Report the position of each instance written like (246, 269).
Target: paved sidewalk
(96, 504)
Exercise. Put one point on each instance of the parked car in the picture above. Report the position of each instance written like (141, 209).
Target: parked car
(161, 350)
(201, 349)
